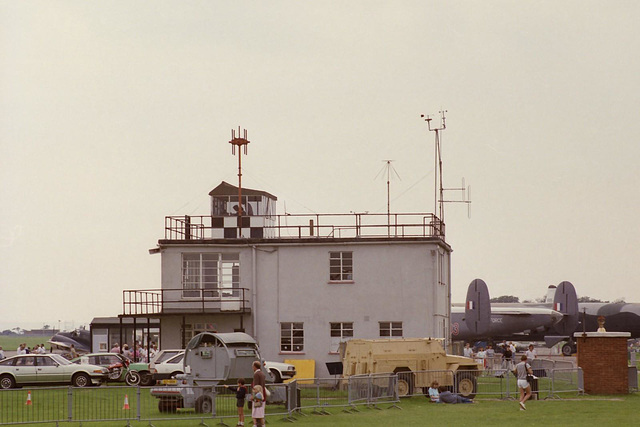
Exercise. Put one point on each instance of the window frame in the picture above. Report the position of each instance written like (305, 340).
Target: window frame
(345, 331)
(393, 327)
(295, 337)
(341, 267)
(213, 275)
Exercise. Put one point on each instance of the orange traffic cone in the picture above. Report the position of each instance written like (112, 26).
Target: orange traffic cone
(126, 402)
(29, 402)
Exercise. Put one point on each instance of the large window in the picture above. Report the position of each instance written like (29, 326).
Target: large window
(210, 275)
(390, 329)
(340, 266)
(340, 332)
(291, 336)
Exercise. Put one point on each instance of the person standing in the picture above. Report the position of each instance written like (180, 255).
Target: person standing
(521, 371)
(241, 394)
(1, 353)
(257, 409)
(468, 351)
(531, 353)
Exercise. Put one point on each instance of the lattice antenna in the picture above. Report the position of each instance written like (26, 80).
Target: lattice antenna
(241, 143)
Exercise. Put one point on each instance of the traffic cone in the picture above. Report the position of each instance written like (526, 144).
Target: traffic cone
(126, 402)
(29, 402)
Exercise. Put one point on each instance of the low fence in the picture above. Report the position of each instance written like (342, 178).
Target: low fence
(115, 403)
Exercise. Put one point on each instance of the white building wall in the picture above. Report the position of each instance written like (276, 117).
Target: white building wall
(399, 281)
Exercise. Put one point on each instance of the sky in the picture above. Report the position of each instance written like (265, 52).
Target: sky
(116, 114)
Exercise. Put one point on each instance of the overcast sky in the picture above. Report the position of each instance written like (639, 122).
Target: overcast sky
(115, 114)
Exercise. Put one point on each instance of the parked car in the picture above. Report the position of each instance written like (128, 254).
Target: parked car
(116, 363)
(280, 371)
(34, 369)
(140, 373)
(169, 368)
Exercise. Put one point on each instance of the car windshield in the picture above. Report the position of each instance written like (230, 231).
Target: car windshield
(61, 360)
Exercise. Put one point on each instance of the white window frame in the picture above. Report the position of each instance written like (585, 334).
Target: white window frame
(339, 332)
(341, 266)
(291, 337)
(211, 275)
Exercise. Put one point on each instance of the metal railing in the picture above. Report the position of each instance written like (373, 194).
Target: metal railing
(361, 225)
(172, 300)
(113, 403)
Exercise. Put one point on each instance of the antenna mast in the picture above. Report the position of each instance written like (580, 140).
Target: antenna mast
(438, 186)
(390, 170)
(241, 143)
(438, 189)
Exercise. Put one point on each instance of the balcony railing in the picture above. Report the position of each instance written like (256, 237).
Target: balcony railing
(360, 225)
(179, 300)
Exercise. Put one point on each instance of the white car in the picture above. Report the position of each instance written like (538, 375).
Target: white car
(169, 368)
(280, 371)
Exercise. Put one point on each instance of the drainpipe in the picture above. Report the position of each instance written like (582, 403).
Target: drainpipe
(254, 293)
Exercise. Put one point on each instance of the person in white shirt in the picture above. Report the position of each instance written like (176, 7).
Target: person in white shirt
(22, 349)
(531, 353)
(468, 351)
(1, 353)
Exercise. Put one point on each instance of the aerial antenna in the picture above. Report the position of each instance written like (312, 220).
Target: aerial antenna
(390, 171)
(241, 143)
(439, 189)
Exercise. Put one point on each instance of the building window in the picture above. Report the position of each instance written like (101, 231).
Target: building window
(340, 266)
(390, 329)
(291, 336)
(211, 275)
(340, 332)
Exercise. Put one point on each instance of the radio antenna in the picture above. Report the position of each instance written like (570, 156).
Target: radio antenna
(241, 143)
(389, 171)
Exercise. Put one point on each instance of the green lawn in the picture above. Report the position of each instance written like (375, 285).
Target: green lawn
(416, 411)
(11, 342)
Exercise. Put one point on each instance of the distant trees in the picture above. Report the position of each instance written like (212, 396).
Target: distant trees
(589, 299)
(505, 298)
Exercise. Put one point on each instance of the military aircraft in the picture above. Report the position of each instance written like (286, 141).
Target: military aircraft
(552, 321)
(80, 338)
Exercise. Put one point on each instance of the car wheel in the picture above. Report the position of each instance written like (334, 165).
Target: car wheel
(81, 380)
(466, 384)
(6, 382)
(146, 379)
(277, 378)
(132, 378)
(204, 405)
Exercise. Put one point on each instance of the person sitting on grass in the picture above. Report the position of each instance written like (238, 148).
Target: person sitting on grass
(447, 397)
(434, 394)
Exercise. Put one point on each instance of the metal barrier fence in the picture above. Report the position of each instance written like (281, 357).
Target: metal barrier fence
(113, 403)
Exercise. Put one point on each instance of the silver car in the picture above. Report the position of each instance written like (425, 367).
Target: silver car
(33, 369)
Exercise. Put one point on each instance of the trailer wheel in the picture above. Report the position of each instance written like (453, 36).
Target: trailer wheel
(204, 405)
(405, 383)
(466, 384)
(567, 349)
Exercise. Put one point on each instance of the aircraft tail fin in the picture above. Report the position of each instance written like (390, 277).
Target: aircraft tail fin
(478, 307)
(565, 301)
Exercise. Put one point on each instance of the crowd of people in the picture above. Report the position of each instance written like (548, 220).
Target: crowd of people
(138, 352)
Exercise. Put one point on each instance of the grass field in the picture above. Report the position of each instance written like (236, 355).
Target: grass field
(416, 411)
(11, 342)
